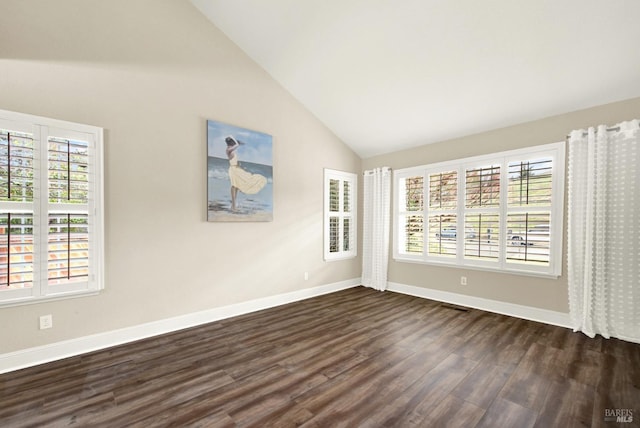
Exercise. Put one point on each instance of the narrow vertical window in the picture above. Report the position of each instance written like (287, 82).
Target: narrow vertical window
(529, 211)
(411, 215)
(443, 195)
(16, 209)
(68, 189)
(339, 215)
(482, 213)
(334, 215)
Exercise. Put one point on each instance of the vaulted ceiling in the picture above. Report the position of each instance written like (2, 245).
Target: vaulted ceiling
(387, 75)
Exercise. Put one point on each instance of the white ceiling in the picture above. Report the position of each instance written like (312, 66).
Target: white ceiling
(385, 75)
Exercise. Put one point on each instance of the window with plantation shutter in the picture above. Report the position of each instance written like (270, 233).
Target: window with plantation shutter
(482, 212)
(529, 201)
(496, 212)
(51, 230)
(410, 230)
(16, 212)
(339, 214)
(443, 204)
(68, 236)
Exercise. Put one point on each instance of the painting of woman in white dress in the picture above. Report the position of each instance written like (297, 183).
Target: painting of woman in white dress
(240, 174)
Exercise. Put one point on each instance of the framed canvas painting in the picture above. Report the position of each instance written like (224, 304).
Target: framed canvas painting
(239, 174)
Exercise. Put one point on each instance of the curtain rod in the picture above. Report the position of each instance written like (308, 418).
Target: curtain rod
(615, 128)
(610, 128)
(370, 171)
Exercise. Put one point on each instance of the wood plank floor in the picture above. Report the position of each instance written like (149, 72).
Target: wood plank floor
(355, 358)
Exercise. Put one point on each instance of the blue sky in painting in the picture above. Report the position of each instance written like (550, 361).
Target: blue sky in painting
(257, 147)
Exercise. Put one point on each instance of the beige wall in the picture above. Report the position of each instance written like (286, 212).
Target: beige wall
(542, 293)
(151, 73)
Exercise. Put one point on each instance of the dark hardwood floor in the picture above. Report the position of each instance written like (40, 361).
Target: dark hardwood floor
(353, 358)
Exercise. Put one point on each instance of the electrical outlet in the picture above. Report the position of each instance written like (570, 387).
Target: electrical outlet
(46, 321)
(306, 276)
(463, 280)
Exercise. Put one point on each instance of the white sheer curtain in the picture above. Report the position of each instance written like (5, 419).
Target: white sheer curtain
(376, 216)
(604, 231)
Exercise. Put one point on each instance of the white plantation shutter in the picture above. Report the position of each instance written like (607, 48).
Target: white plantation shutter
(442, 213)
(482, 186)
(50, 208)
(409, 191)
(529, 199)
(482, 231)
(16, 165)
(17, 158)
(16, 250)
(70, 180)
(482, 213)
(348, 232)
(340, 193)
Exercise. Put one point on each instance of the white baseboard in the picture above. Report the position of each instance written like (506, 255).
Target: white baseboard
(546, 316)
(69, 348)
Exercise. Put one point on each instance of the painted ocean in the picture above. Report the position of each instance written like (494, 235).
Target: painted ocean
(257, 207)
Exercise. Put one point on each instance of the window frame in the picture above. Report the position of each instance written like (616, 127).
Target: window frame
(430, 212)
(352, 215)
(41, 207)
(403, 175)
(555, 151)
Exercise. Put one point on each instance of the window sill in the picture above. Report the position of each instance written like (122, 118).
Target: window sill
(521, 272)
(339, 258)
(45, 299)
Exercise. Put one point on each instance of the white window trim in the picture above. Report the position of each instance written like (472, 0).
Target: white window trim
(397, 176)
(553, 270)
(42, 128)
(342, 176)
